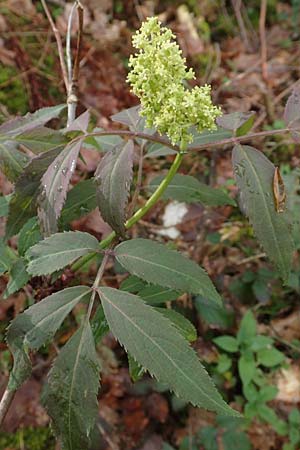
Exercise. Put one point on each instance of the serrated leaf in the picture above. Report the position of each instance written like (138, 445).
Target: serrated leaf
(81, 200)
(207, 137)
(30, 121)
(41, 139)
(29, 235)
(154, 342)
(156, 149)
(4, 205)
(70, 395)
(136, 371)
(55, 183)
(6, 257)
(292, 114)
(12, 161)
(23, 203)
(155, 295)
(238, 122)
(131, 118)
(156, 264)
(132, 284)
(103, 143)
(36, 326)
(99, 325)
(182, 324)
(59, 250)
(185, 188)
(18, 277)
(254, 175)
(113, 179)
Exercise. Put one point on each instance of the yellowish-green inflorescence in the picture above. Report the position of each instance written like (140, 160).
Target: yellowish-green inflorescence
(157, 76)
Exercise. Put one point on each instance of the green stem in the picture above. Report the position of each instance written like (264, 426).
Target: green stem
(139, 214)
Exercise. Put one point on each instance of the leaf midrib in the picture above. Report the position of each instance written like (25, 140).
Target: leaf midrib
(266, 206)
(162, 350)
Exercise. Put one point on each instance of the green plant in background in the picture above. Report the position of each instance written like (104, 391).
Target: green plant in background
(155, 337)
(255, 354)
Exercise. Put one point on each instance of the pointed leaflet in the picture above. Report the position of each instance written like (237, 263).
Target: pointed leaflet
(12, 161)
(292, 114)
(131, 118)
(104, 143)
(70, 395)
(23, 203)
(156, 264)
(254, 176)
(41, 139)
(4, 205)
(185, 188)
(183, 325)
(26, 123)
(238, 122)
(55, 183)
(17, 279)
(156, 344)
(58, 251)
(36, 326)
(81, 199)
(113, 178)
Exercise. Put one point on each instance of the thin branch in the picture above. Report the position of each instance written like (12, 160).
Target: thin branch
(59, 44)
(198, 148)
(73, 72)
(263, 44)
(5, 403)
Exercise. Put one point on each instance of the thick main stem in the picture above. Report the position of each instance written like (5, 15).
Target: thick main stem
(140, 213)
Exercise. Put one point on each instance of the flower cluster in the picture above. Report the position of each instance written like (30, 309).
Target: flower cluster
(157, 77)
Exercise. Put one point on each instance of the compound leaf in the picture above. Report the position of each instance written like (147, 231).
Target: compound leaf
(58, 251)
(70, 395)
(41, 139)
(238, 122)
(185, 188)
(159, 265)
(254, 175)
(36, 326)
(156, 344)
(113, 178)
(18, 277)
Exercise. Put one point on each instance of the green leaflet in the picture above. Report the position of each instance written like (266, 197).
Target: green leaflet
(59, 250)
(41, 139)
(156, 344)
(70, 395)
(81, 199)
(12, 161)
(22, 206)
(7, 257)
(113, 179)
(29, 235)
(254, 176)
(156, 264)
(182, 324)
(238, 122)
(17, 279)
(185, 188)
(4, 205)
(30, 121)
(36, 326)
(154, 295)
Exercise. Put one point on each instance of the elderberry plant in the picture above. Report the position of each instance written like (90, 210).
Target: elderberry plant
(171, 120)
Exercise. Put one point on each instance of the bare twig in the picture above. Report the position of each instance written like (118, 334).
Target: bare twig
(73, 71)
(5, 403)
(237, 6)
(59, 44)
(263, 44)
